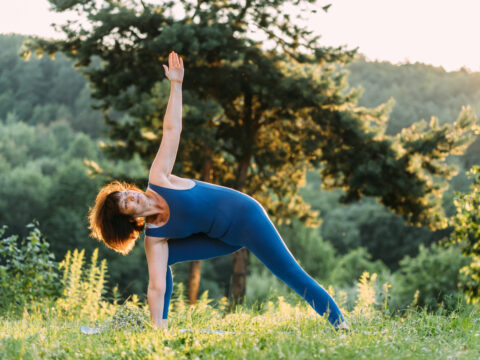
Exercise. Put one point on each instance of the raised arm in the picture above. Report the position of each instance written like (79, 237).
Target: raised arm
(172, 124)
(157, 259)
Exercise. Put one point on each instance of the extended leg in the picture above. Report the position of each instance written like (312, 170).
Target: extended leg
(267, 245)
(195, 247)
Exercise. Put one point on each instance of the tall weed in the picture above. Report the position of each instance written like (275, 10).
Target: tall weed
(83, 288)
(366, 301)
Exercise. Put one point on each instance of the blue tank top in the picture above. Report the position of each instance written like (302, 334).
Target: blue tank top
(217, 211)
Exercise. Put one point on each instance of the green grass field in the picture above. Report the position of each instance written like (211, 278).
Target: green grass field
(277, 331)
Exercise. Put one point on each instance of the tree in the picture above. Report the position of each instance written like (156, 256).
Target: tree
(266, 109)
(430, 279)
(45, 90)
(466, 223)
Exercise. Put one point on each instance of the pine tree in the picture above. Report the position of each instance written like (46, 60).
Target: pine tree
(266, 110)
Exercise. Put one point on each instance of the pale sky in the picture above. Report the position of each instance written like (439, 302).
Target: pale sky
(438, 32)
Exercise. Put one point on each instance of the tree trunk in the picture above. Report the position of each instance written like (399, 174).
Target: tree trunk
(193, 281)
(240, 258)
(240, 272)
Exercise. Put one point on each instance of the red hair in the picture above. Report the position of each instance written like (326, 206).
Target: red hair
(118, 231)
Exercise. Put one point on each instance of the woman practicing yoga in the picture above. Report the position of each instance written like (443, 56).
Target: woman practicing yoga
(199, 220)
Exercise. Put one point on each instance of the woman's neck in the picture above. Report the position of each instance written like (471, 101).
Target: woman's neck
(157, 208)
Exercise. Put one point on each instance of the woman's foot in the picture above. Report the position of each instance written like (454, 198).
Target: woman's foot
(344, 327)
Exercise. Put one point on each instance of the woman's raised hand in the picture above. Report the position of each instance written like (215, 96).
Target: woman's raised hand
(174, 71)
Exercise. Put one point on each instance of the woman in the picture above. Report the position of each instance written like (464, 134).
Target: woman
(201, 219)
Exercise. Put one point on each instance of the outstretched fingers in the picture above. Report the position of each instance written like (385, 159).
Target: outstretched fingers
(177, 60)
(174, 60)
(169, 67)
(174, 71)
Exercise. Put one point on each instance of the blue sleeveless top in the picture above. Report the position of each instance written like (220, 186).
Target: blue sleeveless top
(217, 211)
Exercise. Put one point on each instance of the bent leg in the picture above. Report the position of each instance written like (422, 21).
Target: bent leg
(269, 248)
(168, 293)
(195, 247)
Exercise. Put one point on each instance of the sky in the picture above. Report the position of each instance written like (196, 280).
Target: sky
(438, 32)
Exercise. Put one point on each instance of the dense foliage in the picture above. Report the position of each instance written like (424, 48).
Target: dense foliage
(37, 159)
(419, 91)
(41, 91)
(467, 235)
(275, 110)
(431, 279)
(43, 176)
(258, 115)
(28, 271)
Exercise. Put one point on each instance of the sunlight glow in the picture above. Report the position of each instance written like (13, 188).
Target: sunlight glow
(439, 32)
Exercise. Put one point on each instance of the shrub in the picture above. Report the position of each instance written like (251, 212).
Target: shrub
(351, 266)
(466, 232)
(129, 317)
(430, 279)
(28, 271)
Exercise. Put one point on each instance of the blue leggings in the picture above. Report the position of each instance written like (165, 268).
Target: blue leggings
(274, 254)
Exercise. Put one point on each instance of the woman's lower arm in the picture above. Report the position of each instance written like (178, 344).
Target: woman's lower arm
(155, 298)
(173, 114)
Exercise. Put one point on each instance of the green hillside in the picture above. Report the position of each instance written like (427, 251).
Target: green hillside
(49, 131)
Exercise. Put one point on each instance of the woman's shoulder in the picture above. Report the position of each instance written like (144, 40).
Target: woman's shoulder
(172, 182)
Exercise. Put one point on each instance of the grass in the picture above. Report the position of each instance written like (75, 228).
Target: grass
(50, 329)
(276, 331)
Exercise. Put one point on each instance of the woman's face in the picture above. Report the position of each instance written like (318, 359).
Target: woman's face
(131, 202)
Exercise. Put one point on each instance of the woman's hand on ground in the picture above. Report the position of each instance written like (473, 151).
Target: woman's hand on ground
(174, 71)
(162, 325)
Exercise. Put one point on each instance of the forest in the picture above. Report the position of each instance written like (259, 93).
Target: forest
(53, 160)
